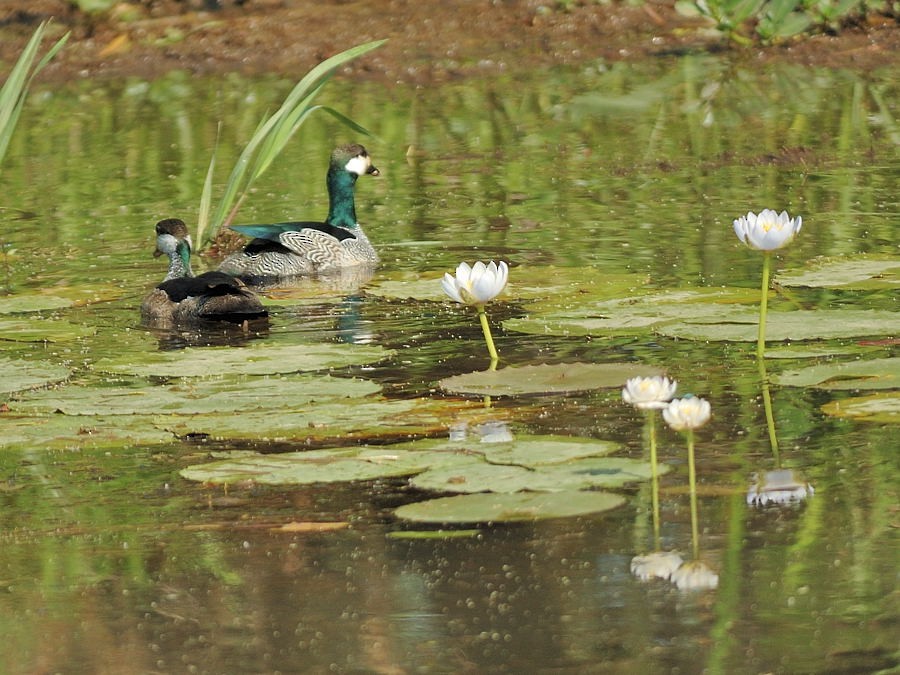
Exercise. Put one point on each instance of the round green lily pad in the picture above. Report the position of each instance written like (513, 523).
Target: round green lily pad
(33, 302)
(232, 394)
(557, 378)
(509, 508)
(19, 375)
(68, 432)
(257, 359)
(845, 272)
(42, 330)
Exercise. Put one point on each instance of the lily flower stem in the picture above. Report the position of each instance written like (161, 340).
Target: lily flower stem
(692, 479)
(770, 415)
(763, 305)
(486, 329)
(654, 474)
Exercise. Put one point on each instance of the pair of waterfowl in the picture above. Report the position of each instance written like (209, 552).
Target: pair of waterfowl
(278, 250)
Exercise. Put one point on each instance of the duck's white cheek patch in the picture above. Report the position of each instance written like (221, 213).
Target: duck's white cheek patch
(358, 165)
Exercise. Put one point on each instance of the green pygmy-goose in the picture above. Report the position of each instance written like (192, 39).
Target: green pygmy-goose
(183, 298)
(305, 248)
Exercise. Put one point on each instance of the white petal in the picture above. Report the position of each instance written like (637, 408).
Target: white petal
(450, 288)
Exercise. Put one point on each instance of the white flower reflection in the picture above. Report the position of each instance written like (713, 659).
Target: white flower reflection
(781, 487)
(768, 230)
(658, 565)
(695, 576)
(649, 393)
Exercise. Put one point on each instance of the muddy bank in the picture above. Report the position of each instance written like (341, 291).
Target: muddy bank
(429, 42)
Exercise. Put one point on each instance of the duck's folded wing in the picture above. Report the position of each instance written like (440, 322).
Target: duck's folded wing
(275, 231)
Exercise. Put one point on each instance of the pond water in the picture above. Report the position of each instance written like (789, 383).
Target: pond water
(611, 181)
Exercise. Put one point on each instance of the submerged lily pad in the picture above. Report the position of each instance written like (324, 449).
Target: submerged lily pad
(883, 408)
(558, 378)
(256, 359)
(42, 330)
(811, 351)
(871, 374)
(849, 273)
(820, 324)
(513, 507)
(196, 396)
(19, 375)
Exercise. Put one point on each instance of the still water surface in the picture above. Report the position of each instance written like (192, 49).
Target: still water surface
(113, 563)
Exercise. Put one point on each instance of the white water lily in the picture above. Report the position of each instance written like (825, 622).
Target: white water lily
(694, 576)
(476, 285)
(781, 486)
(768, 230)
(683, 414)
(660, 565)
(649, 393)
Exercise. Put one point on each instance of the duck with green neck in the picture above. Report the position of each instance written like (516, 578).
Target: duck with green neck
(183, 299)
(308, 248)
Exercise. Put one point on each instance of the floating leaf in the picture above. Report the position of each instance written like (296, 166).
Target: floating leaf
(558, 378)
(65, 432)
(19, 375)
(32, 303)
(820, 324)
(883, 408)
(256, 359)
(196, 396)
(433, 534)
(42, 330)
(365, 420)
(514, 507)
(316, 466)
(634, 313)
(811, 351)
(479, 476)
(871, 374)
(528, 451)
(855, 273)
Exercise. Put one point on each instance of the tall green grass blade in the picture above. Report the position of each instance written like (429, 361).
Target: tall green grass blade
(15, 89)
(274, 132)
(206, 194)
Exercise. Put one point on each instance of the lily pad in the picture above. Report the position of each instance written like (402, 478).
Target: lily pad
(66, 432)
(19, 375)
(256, 359)
(848, 273)
(316, 466)
(820, 324)
(883, 408)
(365, 420)
(196, 396)
(528, 451)
(871, 374)
(479, 476)
(507, 508)
(811, 351)
(558, 378)
(14, 304)
(635, 313)
(42, 330)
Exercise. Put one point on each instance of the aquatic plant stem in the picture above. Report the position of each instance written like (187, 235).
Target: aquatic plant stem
(692, 480)
(767, 406)
(763, 305)
(654, 475)
(486, 329)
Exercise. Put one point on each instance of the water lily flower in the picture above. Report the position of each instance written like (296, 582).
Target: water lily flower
(781, 487)
(685, 414)
(659, 565)
(768, 230)
(694, 575)
(649, 393)
(476, 285)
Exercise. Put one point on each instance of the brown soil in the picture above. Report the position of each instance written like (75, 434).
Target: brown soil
(429, 41)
